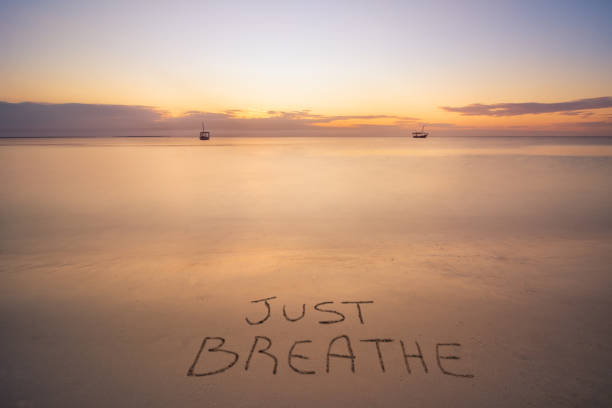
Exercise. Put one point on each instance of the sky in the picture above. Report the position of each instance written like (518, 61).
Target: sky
(460, 68)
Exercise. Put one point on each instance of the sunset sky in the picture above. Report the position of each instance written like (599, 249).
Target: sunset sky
(545, 66)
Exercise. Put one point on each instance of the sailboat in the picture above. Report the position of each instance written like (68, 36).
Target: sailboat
(420, 134)
(204, 134)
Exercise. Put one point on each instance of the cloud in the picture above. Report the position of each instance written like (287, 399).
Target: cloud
(89, 120)
(45, 119)
(596, 123)
(515, 109)
(27, 116)
(580, 114)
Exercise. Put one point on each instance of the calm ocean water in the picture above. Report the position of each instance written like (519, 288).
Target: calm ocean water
(118, 255)
(366, 186)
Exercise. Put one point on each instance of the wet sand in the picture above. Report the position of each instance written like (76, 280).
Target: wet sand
(120, 256)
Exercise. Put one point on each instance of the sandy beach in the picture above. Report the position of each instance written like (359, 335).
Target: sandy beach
(487, 262)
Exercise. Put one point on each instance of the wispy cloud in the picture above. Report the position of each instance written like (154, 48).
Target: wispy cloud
(596, 123)
(44, 119)
(581, 114)
(49, 120)
(307, 117)
(525, 108)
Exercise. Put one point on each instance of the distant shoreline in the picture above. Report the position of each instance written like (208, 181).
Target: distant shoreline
(72, 137)
(314, 137)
